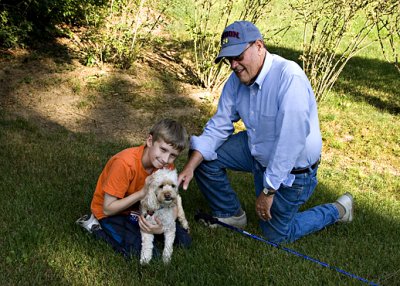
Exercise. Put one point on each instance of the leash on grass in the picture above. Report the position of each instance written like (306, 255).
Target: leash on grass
(208, 219)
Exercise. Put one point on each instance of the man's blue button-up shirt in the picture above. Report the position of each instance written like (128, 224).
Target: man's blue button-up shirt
(280, 114)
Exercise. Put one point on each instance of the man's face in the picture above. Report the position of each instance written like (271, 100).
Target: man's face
(160, 153)
(248, 64)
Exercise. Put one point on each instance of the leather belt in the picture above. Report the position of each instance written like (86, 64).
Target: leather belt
(305, 170)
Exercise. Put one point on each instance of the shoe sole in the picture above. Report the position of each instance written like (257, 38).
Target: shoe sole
(88, 222)
(238, 223)
(350, 218)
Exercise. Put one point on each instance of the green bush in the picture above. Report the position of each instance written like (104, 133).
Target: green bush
(117, 32)
(22, 22)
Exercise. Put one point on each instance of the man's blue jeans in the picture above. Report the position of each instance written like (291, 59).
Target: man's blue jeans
(287, 224)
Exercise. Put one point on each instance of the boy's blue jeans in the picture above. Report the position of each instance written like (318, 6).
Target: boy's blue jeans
(287, 223)
(124, 235)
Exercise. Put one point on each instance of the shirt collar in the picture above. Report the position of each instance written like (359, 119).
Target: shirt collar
(265, 69)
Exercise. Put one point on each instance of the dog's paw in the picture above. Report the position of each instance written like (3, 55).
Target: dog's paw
(166, 259)
(186, 228)
(144, 260)
(146, 254)
(185, 224)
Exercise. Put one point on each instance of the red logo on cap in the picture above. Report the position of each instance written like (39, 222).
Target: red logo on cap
(230, 34)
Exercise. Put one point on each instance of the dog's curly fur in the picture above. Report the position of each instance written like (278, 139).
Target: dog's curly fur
(161, 201)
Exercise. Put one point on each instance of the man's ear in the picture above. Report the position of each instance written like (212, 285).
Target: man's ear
(259, 44)
(149, 141)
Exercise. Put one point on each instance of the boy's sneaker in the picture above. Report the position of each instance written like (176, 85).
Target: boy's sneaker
(239, 220)
(89, 223)
(347, 202)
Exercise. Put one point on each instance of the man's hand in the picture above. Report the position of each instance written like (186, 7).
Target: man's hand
(185, 177)
(148, 227)
(187, 173)
(263, 206)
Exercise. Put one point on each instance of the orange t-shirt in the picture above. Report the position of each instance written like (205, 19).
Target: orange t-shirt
(123, 175)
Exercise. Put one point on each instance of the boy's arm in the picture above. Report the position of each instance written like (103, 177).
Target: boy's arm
(113, 205)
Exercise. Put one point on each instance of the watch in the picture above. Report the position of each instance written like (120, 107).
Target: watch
(269, 192)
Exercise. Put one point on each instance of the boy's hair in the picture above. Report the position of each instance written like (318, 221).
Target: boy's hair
(172, 132)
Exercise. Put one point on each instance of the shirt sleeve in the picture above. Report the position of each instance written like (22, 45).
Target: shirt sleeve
(117, 182)
(220, 126)
(293, 127)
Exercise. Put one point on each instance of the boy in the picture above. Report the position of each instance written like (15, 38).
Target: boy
(120, 188)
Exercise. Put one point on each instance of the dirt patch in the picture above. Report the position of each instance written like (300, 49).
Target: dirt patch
(60, 92)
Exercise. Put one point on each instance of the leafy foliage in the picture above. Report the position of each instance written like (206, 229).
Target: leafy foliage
(326, 24)
(387, 16)
(11, 34)
(117, 32)
(23, 21)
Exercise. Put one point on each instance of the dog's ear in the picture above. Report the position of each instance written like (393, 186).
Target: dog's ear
(149, 180)
(153, 201)
(150, 201)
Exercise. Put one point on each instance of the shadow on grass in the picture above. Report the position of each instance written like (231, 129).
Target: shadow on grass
(366, 248)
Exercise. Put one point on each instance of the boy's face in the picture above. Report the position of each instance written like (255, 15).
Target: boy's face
(160, 153)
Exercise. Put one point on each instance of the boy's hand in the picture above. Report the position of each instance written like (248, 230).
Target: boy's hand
(149, 227)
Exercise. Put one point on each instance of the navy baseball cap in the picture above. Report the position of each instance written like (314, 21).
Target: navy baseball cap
(236, 37)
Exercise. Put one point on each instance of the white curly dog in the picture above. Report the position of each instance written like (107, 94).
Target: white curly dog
(162, 201)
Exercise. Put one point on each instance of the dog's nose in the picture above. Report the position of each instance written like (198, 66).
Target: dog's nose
(167, 196)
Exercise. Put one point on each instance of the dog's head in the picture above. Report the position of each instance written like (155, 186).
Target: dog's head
(162, 189)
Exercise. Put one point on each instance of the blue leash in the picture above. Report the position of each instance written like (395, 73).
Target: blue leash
(208, 219)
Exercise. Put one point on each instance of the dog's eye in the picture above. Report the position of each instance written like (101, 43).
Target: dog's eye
(161, 186)
(173, 185)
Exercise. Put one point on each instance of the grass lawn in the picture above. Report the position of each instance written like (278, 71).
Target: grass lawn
(48, 176)
(48, 173)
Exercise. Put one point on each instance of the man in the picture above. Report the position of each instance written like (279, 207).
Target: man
(281, 145)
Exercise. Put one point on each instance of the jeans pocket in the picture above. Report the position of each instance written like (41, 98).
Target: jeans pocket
(293, 193)
(301, 189)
